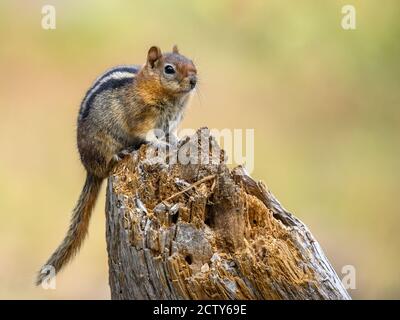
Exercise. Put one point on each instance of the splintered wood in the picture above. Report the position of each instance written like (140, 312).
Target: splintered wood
(200, 231)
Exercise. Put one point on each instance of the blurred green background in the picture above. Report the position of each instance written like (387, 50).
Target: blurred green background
(324, 103)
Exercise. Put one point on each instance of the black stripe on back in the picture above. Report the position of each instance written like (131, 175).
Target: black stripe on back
(131, 69)
(110, 84)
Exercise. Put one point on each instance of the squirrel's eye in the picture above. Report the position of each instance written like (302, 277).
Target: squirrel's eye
(168, 69)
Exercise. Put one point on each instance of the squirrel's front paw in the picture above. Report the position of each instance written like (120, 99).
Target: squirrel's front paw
(120, 155)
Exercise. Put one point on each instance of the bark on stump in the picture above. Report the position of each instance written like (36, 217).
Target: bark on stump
(202, 231)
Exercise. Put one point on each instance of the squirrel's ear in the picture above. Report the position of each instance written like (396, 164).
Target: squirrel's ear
(175, 49)
(153, 55)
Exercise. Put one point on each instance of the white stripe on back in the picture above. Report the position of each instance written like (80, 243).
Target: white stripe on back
(117, 75)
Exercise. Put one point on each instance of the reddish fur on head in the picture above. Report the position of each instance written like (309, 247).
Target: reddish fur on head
(155, 83)
(153, 55)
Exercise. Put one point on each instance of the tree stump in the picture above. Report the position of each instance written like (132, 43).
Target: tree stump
(198, 230)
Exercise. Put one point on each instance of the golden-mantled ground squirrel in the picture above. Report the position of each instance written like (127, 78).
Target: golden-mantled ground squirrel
(116, 114)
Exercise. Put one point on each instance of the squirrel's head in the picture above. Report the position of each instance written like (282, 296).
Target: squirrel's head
(175, 73)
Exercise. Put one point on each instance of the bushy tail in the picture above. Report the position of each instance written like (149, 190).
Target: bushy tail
(77, 230)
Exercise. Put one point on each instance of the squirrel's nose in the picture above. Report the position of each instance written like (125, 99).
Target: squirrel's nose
(193, 82)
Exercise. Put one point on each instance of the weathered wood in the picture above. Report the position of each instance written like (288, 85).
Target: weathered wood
(201, 231)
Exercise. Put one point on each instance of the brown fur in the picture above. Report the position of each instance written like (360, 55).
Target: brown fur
(78, 227)
(118, 120)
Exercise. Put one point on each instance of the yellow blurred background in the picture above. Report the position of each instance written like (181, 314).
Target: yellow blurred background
(324, 103)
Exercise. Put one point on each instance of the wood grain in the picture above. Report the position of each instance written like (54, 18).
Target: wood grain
(202, 231)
